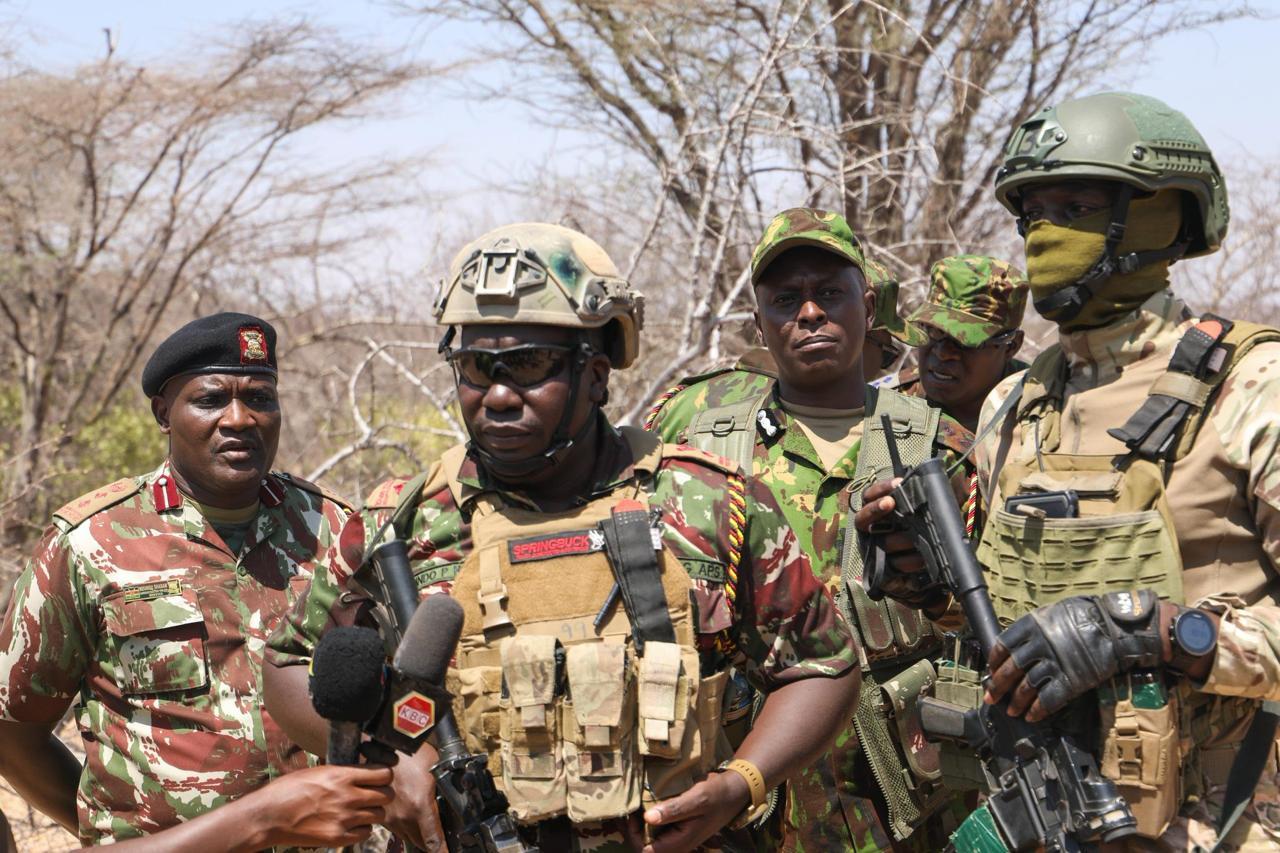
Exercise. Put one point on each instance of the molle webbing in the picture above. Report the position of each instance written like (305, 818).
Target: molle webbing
(1203, 358)
(729, 431)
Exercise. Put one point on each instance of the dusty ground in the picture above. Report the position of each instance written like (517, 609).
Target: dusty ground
(32, 831)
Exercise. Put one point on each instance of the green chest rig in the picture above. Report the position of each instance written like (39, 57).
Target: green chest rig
(896, 640)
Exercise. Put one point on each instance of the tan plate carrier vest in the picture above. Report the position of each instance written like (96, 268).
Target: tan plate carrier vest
(1123, 538)
(895, 639)
(572, 719)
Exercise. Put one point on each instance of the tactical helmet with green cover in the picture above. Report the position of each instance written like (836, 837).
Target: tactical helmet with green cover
(1136, 141)
(534, 273)
(543, 274)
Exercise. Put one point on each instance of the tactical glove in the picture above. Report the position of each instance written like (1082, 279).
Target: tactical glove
(1074, 645)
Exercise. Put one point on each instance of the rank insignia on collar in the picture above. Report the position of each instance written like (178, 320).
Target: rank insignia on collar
(767, 423)
(253, 346)
(164, 492)
(271, 493)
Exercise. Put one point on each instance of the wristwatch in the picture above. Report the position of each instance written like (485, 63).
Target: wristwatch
(1193, 635)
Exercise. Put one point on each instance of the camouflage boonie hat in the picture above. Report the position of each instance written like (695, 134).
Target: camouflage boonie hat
(972, 298)
(885, 287)
(806, 226)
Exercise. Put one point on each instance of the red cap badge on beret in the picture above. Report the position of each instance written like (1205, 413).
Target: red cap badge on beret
(253, 345)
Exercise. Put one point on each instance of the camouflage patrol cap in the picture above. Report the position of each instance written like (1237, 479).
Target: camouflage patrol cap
(972, 297)
(806, 226)
(885, 287)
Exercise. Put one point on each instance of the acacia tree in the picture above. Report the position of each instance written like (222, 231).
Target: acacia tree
(893, 112)
(128, 193)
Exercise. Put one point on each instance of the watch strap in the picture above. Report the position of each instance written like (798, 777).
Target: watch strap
(755, 784)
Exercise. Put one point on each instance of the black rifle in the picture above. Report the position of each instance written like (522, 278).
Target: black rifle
(1045, 791)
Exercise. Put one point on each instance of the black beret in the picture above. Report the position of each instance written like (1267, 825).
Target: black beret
(219, 343)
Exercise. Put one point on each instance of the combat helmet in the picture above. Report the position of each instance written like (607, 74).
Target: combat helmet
(542, 274)
(1135, 140)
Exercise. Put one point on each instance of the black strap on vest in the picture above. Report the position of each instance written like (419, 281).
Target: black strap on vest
(1152, 431)
(628, 541)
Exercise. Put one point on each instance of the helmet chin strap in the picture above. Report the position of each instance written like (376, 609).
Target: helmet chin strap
(1065, 304)
(509, 470)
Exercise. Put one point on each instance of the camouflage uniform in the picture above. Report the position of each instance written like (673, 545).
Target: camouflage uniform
(1166, 427)
(836, 804)
(134, 606)
(784, 626)
(1225, 500)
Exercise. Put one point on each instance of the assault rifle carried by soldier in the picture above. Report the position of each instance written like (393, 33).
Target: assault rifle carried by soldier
(1132, 486)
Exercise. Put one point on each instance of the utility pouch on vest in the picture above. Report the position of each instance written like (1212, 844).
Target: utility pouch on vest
(1141, 749)
(533, 772)
(1122, 540)
(599, 733)
(695, 741)
(902, 695)
(476, 691)
(959, 768)
(664, 700)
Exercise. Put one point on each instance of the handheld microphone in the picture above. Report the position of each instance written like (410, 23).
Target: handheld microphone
(417, 701)
(347, 685)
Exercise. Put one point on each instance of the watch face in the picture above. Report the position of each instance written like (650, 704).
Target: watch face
(1194, 632)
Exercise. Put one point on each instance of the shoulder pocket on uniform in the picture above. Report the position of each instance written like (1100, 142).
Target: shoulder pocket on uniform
(157, 640)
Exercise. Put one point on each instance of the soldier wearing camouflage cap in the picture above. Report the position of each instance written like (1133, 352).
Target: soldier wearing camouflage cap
(968, 328)
(604, 576)
(754, 371)
(807, 435)
(1154, 601)
(149, 601)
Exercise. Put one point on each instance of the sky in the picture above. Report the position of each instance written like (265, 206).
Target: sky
(1224, 79)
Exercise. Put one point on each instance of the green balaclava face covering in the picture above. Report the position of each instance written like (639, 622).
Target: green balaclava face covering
(1058, 256)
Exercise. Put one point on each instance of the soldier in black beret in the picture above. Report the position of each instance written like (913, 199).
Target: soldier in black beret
(148, 603)
(230, 343)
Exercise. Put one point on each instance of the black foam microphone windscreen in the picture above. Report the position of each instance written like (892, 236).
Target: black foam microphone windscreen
(430, 639)
(347, 685)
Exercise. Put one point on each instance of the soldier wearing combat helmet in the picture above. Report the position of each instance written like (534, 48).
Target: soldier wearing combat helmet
(1150, 593)
(149, 601)
(600, 712)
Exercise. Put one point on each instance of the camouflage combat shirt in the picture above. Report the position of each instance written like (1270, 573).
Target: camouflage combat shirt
(832, 805)
(1224, 497)
(144, 615)
(785, 625)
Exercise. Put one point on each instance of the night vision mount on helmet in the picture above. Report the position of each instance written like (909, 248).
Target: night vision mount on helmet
(1136, 141)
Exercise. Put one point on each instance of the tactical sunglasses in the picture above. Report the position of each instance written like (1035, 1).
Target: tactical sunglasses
(525, 366)
(937, 336)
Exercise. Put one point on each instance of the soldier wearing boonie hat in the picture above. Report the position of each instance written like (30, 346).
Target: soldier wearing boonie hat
(149, 602)
(968, 333)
